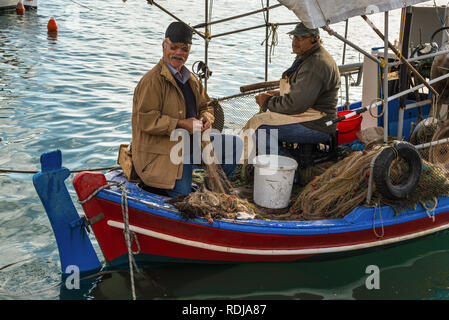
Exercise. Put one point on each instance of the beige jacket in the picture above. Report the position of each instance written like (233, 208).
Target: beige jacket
(158, 104)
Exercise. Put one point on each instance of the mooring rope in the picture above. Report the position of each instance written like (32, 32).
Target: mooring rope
(126, 231)
(430, 211)
(381, 223)
(96, 191)
(71, 171)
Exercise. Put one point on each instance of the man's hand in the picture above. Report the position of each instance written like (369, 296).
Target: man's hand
(189, 124)
(261, 98)
(276, 93)
(206, 124)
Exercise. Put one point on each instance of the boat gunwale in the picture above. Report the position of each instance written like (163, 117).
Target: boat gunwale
(356, 220)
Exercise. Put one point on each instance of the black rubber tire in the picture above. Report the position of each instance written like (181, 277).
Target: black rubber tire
(381, 171)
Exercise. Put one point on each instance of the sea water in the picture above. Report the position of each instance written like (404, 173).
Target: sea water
(73, 91)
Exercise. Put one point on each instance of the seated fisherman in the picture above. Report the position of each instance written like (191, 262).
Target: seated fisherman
(310, 86)
(169, 97)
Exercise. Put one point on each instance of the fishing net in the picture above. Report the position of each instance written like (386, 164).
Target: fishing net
(213, 205)
(430, 140)
(335, 189)
(216, 197)
(240, 108)
(423, 133)
(344, 186)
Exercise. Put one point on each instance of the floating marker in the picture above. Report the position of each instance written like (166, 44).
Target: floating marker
(20, 8)
(51, 25)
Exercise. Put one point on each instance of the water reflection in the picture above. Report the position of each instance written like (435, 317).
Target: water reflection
(338, 278)
(52, 36)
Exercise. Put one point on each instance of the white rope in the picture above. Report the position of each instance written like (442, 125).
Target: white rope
(381, 223)
(96, 191)
(431, 214)
(430, 210)
(128, 233)
(274, 39)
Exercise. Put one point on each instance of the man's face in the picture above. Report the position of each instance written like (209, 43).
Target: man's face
(175, 54)
(301, 44)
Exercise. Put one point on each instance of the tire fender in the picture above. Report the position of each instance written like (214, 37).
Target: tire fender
(381, 170)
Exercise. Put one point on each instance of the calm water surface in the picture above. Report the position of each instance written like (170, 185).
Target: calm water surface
(73, 92)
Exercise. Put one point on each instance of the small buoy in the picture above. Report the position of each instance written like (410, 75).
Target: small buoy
(20, 8)
(51, 25)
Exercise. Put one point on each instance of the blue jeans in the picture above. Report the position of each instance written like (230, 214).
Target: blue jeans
(291, 133)
(229, 160)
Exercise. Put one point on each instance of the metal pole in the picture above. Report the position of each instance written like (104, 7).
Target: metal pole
(335, 34)
(240, 16)
(393, 97)
(425, 56)
(398, 54)
(206, 40)
(236, 31)
(404, 75)
(343, 62)
(151, 2)
(267, 19)
(385, 79)
(418, 104)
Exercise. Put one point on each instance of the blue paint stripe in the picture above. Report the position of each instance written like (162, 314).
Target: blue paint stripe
(359, 219)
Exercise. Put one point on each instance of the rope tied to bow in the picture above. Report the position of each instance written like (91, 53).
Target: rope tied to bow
(129, 235)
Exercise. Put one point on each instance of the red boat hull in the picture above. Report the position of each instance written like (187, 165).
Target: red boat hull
(164, 235)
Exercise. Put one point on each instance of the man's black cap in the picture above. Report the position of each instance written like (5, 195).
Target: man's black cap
(179, 32)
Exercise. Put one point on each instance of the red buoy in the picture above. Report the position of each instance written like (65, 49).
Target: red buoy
(20, 9)
(51, 25)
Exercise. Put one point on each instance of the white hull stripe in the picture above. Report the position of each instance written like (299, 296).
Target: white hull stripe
(269, 252)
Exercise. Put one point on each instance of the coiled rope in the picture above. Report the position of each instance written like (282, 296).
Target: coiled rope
(126, 231)
(274, 39)
(272, 33)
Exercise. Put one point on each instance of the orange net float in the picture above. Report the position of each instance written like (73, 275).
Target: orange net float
(20, 8)
(52, 25)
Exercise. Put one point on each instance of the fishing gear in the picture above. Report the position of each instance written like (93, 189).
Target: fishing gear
(201, 70)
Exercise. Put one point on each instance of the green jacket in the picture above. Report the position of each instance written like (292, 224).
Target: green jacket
(314, 84)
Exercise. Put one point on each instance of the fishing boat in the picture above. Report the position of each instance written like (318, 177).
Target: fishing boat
(8, 4)
(131, 223)
(11, 4)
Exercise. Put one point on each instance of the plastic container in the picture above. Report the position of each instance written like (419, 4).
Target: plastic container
(348, 128)
(273, 180)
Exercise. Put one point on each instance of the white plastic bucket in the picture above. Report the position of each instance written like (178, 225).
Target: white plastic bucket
(273, 180)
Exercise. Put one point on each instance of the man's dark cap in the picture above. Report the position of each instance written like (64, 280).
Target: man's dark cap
(301, 30)
(179, 32)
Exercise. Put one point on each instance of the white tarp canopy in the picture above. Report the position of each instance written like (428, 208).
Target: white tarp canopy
(317, 13)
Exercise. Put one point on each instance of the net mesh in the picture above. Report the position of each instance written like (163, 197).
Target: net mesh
(345, 185)
(239, 108)
(341, 186)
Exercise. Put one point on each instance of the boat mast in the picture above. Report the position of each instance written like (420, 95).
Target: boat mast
(385, 78)
(206, 38)
(267, 22)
